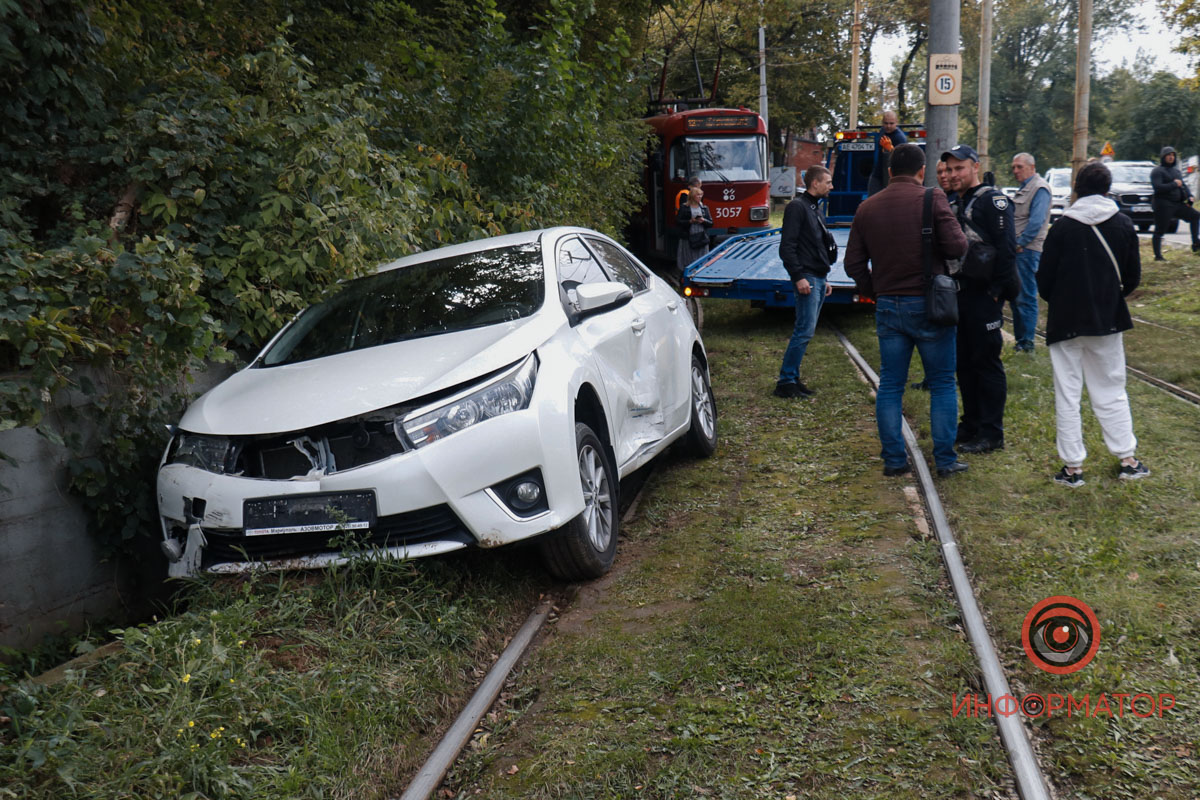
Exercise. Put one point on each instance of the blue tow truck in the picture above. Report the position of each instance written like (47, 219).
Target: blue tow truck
(749, 268)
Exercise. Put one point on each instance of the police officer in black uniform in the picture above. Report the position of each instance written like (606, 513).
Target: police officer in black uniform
(987, 279)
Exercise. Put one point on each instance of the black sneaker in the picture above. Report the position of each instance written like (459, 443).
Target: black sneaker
(787, 390)
(1071, 479)
(981, 446)
(892, 472)
(1131, 472)
(804, 390)
(953, 469)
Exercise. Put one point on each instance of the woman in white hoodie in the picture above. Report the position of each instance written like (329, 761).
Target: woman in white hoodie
(1090, 262)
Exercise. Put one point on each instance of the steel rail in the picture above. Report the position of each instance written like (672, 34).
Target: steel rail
(1180, 393)
(1031, 783)
(430, 776)
(434, 770)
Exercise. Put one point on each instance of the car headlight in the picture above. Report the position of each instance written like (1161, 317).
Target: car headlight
(209, 453)
(509, 392)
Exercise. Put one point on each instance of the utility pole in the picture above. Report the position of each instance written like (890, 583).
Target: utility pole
(941, 121)
(985, 86)
(762, 67)
(1083, 88)
(855, 45)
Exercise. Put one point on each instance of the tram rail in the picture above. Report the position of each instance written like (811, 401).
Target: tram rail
(1180, 393)
(1031, 782)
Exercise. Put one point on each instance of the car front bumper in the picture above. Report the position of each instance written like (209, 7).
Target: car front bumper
(428, 501)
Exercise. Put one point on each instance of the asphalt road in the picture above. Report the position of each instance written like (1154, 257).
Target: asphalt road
(1181, 238)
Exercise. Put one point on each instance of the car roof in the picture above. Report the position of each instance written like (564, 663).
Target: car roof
(479, 245)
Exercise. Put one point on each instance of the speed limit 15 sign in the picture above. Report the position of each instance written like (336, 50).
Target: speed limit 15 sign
(945, 79)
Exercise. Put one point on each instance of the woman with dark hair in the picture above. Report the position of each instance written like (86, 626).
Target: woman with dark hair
(1089, 264)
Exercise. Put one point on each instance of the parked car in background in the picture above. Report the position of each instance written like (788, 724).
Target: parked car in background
(472, 396)
(1059, 179)
(1191, 174)
(1132, 191)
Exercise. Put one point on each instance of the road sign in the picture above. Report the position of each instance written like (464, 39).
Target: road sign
(1107, 150)
(945, 79)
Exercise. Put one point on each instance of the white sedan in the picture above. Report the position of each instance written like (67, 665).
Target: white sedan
(476, 395)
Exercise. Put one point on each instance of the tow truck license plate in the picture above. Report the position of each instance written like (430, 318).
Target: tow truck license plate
(308, 513)
(1142, 208)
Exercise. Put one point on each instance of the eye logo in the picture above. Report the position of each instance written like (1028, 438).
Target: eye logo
(1061, 635)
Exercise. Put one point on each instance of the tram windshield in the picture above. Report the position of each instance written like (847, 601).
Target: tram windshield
(722, 158)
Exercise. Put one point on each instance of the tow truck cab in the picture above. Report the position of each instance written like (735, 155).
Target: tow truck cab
(749, 268)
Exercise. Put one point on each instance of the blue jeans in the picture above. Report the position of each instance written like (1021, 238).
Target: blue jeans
(900, 324)
(808, 308)
(1025, 306)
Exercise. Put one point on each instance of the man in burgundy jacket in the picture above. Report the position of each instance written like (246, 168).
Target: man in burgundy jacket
(884, 259)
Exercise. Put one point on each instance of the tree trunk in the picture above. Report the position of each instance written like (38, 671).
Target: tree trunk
(919, 39)
(124, 208)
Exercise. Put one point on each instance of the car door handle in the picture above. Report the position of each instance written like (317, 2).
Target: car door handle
(639, 325)
(673, 305)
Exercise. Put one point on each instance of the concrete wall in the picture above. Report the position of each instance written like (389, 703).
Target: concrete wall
(52, 578)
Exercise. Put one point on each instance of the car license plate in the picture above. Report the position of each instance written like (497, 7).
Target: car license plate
(858, 145)
(1142, 208)
(308, 513)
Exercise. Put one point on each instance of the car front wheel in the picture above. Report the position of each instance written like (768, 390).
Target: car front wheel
(585, 547)
(701, 437)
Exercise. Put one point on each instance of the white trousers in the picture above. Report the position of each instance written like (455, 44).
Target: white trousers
(1098, 362)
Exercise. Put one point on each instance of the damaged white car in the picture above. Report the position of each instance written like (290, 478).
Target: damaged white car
(476, 395)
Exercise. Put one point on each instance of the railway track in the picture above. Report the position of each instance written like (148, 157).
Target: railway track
(459, 734)
(1180, 393)
(1031, 782)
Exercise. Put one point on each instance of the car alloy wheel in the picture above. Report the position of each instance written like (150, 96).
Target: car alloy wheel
(702, 435)
(585, 547)
(597, 497)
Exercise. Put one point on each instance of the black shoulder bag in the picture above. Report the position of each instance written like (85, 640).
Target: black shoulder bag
(941, 291)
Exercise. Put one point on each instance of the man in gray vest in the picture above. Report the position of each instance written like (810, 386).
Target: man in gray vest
(1031, 216)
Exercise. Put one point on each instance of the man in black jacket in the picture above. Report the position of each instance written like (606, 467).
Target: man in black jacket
(807, 250)
(988, 278)
(1172, 198)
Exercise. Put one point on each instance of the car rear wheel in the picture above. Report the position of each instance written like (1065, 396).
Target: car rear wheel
(701, 437)
(585, 547)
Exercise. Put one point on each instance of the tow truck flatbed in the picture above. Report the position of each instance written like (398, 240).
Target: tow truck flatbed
(749, 268)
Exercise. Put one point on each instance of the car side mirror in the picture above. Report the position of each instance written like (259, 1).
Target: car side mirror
(595, 298)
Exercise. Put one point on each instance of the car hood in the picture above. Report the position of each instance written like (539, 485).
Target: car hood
(290, 397)
(1132, 188)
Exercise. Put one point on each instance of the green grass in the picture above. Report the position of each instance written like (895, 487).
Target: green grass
(1167, 297)
(323, 686)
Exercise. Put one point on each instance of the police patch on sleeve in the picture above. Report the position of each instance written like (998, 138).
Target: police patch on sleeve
(1000, 202)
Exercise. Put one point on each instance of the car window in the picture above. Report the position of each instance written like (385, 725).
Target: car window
(426, 299)
(576, 265)
(618, 265)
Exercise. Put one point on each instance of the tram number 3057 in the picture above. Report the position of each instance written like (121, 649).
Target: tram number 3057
(721, 212)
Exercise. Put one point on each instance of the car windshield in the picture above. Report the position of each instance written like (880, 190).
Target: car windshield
(1060, 180)
(1130, 173)
(727, 158)
(426, 299)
